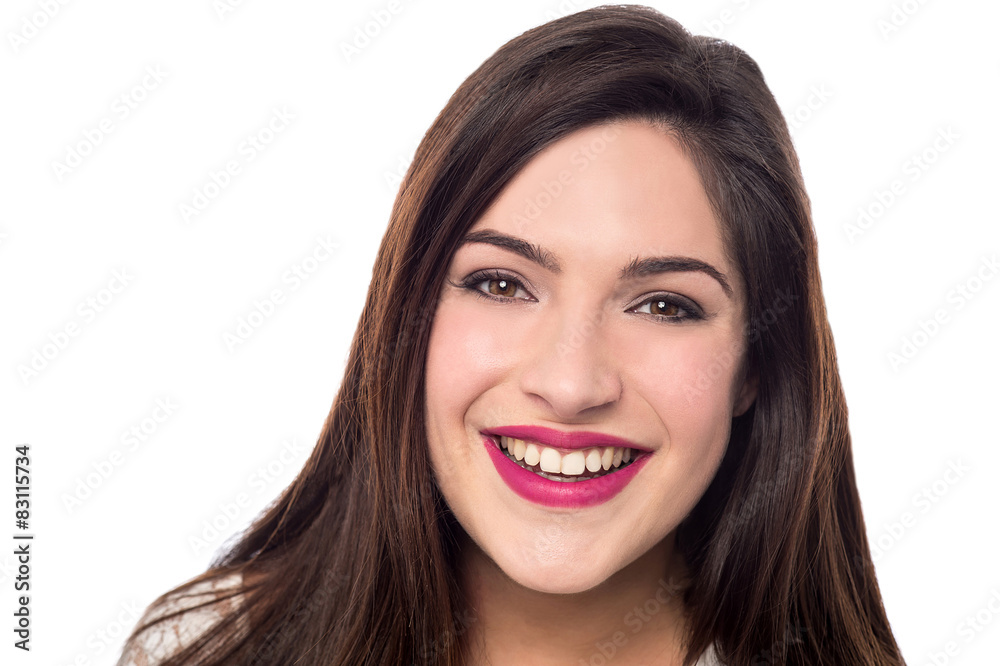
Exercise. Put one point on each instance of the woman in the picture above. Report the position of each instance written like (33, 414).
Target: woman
(592, 411)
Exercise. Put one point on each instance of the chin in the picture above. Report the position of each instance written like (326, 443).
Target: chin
(553, 567)
(556, 579)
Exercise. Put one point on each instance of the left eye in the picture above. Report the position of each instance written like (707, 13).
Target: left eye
(663, 307)
(501, 287)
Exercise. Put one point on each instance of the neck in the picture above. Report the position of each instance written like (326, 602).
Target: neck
(634, 617)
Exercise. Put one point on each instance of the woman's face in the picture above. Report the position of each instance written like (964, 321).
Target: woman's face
(591, 307)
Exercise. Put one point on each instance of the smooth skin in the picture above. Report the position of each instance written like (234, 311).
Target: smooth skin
(561, 339)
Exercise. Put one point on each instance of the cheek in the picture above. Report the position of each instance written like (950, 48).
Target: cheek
(689, 383)
(466, 357)
(465, 354)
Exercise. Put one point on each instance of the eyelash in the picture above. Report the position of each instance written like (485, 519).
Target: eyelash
(472, 282)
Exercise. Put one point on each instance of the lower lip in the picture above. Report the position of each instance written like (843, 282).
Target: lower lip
(563, 494)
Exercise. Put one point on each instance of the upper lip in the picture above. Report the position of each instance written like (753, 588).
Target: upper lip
(577, 439)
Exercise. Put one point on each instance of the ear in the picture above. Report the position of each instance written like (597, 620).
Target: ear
(746, 396)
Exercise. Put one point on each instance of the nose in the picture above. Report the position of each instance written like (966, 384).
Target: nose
(571, 369)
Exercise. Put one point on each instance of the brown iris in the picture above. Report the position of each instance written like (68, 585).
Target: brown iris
(665, 308)
(501, 287)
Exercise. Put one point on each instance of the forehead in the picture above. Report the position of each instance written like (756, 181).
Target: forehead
(611, 189)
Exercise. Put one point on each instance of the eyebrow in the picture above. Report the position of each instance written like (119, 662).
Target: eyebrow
(636, 268)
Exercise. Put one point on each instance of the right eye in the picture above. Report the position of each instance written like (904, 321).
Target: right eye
(496, 285)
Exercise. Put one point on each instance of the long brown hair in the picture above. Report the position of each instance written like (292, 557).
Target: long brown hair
(355, 562)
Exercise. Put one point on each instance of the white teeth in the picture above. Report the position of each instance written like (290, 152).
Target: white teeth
(606, 458)
(519, 448)
(575, 463)
(550, 460)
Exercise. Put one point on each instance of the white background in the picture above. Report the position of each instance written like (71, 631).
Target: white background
(865, 98)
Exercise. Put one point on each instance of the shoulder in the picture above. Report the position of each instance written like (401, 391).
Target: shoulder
(708, 658)
(164, 639)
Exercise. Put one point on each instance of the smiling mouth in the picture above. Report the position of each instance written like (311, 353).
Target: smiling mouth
(567, 467)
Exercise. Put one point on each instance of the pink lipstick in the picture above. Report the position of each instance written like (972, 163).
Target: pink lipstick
(563, 494)
(562, 440)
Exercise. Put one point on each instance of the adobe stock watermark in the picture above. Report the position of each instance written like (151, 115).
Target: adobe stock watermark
(565, 8)
(393, 179)
(923, 502)
(409, 333)
(955, 300)
(223, 8)
(323, 595)
(460, 623)
(722, 363)
(913, 169)
(899, 15)
(804, 112)
(122, 106)
(550, 190)
(8, 569)
(727, 359)
(32, 24)
(969, 628)
(727, 17)
(366, 34)
(130, 439)
(797, 458)
(256, 484)
(546, 546)
(773, 655)
(667, 591)
(294, 277)
(246, 152)
(57, 341)
(108, 636)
